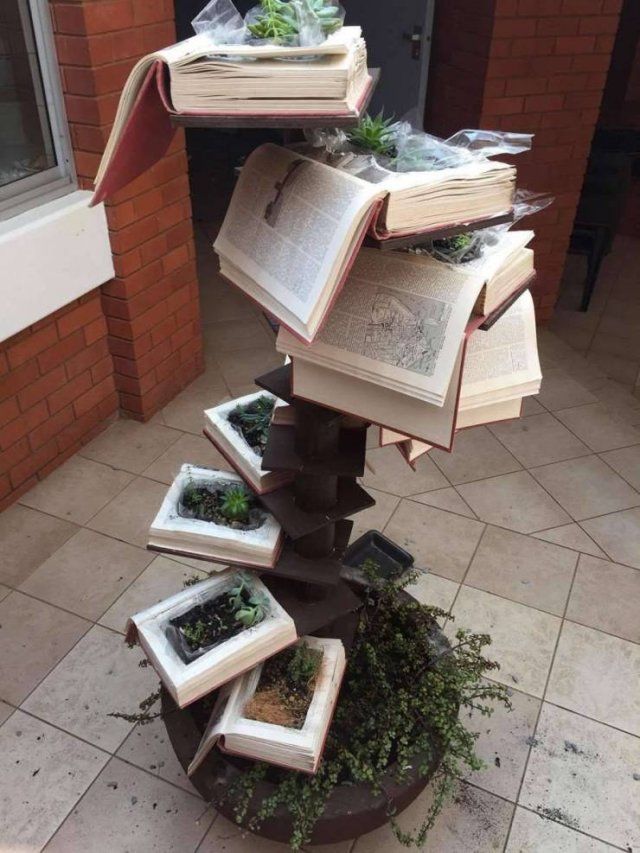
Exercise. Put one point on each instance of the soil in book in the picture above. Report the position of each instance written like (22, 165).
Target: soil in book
(286, 687)
(252, 422)
(229, 504)
(213, 622)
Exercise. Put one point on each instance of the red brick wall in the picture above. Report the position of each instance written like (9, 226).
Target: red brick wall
(56, 389)
(151, 306)
(543, 65)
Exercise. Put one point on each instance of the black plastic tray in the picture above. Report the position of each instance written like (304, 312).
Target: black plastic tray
(392, 559)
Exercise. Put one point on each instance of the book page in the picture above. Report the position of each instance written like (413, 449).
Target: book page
(399, 319)
(506, 354)
(287, 225)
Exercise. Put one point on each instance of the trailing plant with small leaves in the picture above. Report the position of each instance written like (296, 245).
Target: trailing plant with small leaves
(236, 503)
(398, 711)
(374, 135)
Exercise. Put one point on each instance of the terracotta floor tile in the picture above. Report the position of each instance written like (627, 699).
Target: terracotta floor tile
(476, 455)
(87, 573)
(618, 534)
(388, 472)
(34, 636)
(586, 487)
(523, 569)
(523, 639)
(130, 445)
(515, 501)
(28, 537)
(597, 675)
(128, 809)
(77, 490)
(606, 596)
(44, 771)
(439, 541)
(539, 440)
(575, 761)
(99, 676)
(533, 833)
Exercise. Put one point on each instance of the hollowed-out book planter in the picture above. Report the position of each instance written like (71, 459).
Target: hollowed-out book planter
(191, 521)
(235, 430)
(195, 642)
(297, 748)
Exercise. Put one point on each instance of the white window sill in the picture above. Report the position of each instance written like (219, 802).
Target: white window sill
(49, 256)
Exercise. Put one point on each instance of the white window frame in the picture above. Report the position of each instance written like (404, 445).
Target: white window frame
(49, 184)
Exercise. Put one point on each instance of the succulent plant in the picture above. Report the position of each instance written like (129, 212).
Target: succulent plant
(236, 503)
(374, 135)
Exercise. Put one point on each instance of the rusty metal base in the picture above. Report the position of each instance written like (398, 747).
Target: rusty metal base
(351, 810)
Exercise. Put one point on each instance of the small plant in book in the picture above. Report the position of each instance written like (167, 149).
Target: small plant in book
(252, 420)
(374, 135)
(231, 505)
(214, 621)
(286, 687)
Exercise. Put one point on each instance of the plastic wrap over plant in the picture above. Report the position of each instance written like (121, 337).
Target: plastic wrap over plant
(292, 23)
(400, 147)
(474, 245)
(222, 22)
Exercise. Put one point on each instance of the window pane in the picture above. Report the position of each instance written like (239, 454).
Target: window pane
(26, 144)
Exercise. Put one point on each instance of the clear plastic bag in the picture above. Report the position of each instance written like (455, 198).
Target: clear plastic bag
(413, 150)
(474, 245)
(222, 22)
(293, 23)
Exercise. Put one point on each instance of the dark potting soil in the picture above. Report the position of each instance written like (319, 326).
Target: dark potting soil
(205, 626)
(282, 698)
(252, 422)
(205, 504)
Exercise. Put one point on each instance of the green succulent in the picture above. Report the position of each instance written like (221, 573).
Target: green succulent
(374, 135)
(278, 19)
(236, 503)
(251, 613)
(195, 634)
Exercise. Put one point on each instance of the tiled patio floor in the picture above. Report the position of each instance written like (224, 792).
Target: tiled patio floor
(530, 531)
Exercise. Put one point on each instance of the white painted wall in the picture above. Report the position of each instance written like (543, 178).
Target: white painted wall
(49, 256)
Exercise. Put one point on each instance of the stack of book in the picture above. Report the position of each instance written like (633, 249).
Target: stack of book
(390, 337)
(230, 83)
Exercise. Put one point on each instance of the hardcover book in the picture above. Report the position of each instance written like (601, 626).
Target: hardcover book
(234, 728)
(294, 228)
(394, 355)
(192, 521)
(189, 674)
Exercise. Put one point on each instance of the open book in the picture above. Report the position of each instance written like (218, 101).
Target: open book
(198, 77)
(423, 201)
(188, 675)
(295, 748)
(500, 366)
(292, 230)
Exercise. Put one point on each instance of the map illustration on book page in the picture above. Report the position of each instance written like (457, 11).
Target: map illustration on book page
(396, 327)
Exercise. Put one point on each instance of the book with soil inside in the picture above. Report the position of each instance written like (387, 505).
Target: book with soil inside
(210, 514)
(294, 226)
(280, 712)
(209, 633)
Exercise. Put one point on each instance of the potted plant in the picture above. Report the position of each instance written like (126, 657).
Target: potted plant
(396, 728)
(211, 514)
(279, 712)
(239, 429)
(211, 632)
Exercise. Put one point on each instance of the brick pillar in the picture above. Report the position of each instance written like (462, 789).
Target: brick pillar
(151, 307)
(542, 67)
